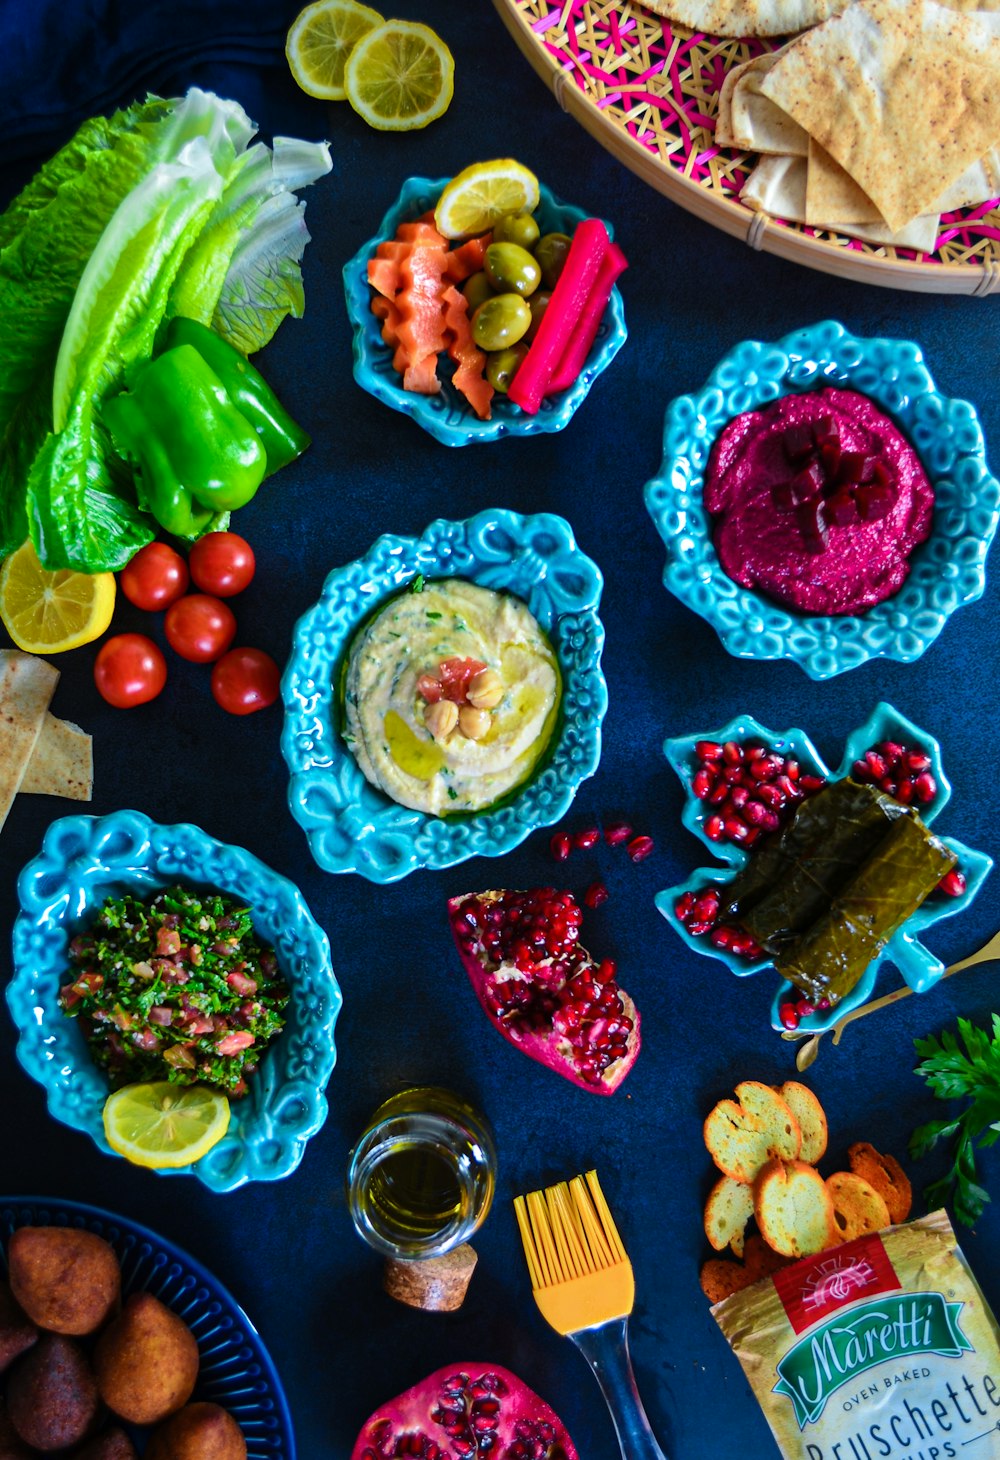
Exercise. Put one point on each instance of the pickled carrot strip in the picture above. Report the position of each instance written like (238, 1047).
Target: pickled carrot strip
(383, 275)
(569, 300)
(584, 333)
(468, 258)
(468, 379)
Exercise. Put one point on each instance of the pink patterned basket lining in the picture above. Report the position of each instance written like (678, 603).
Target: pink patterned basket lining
(660, 86)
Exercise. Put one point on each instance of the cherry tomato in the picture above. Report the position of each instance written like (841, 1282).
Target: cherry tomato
(245, 680)
(155, 578)
(199, 628)
(222, 563)
(129, 670)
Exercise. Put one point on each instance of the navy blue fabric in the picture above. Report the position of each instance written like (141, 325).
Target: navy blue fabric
(288, 1250)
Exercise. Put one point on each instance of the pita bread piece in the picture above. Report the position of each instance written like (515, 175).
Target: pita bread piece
(777, 186)
(746, 17)
(832, 194)
(755, 122)
(724, 115)
(62, 762)
(902, 93)
(27, 684)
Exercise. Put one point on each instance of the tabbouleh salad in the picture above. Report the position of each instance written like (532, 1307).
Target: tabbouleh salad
(176, 988)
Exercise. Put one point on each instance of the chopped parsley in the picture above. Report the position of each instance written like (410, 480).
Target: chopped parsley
(417, 586)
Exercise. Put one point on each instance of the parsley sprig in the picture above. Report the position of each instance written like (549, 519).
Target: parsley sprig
(954, 1074)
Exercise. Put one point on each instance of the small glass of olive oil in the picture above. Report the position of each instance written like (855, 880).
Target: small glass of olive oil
(421, 1178)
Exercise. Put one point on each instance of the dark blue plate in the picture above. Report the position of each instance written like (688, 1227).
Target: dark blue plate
(236, 1369)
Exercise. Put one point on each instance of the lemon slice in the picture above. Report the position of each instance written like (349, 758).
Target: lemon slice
(46, 612)
(400, 76)
(163, 1124)
(474, 200)
(321, 39)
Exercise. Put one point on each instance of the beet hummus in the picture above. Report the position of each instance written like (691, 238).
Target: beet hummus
(818, 501)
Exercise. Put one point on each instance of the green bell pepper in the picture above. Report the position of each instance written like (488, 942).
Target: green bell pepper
(281, 437)
(195, 452)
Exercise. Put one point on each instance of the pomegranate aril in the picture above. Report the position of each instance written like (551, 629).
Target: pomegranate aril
(722, 937)
(810, 784)
(824, 1004)
(953, 883)
(732, 752)
(917, 761)
(584, 840)
(703, 782)
(738, 797)
(561, 845)
(640, 847)
(888, 785)
(925, 787)
(892, 751)
(733, 774)
(736, 830)
(708, 750)
(754, 833)
(770, 795)
(616, 833)
(762, 816)
(860, 771)
(804, 1008)
(714, 828)
(696, 929)
(904, 792)
(876, 764)
(720, 794)
(792, 769)
(596, 894)
(788, 1015)
(755, 752)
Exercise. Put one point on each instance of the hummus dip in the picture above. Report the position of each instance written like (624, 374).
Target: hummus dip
(400, 652)
(761, 544)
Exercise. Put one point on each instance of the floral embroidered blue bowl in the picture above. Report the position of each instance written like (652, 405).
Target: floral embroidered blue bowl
(85, 860)
(946, 571)
(351, 826)
(448, 416)
(920, 968)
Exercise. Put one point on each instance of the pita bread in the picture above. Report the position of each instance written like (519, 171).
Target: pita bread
(832, 194)
(26, 687)
(777, 186)
(755, 122)
(765, 17)
(62, 762)
(903, 94)
(724, 116)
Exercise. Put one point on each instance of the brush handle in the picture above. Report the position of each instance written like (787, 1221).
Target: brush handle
(606, 1350)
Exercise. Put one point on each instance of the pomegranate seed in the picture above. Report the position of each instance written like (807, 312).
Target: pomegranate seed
(707, 904)
(770, 794)
(732, 753)
(792, 769)
(876, 764)
(824, 1004)
(560, 846)
(703, 781)
(736, 830)
(696, 929)
(616, 833)
(720, 794)
(788, 1015)
(758, 814)
(738, 797)
(792, 789)
(587, 839)
(810, 784)
(755, 752)
(892, 750)
(860, 771)
(734, 774)
(723, 937)
(745, 946)
(708, 750)
(803, 1008)
(888, 785)
(753, 835)
(917, 761)
(714, 828)
(925, 787)
(640, 847)
(904, 792)
(596, 894)
(952, 883)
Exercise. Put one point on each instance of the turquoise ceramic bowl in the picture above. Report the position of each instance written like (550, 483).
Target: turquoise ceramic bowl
(351, 826)
(945, 571)
(85, 860)
(448, 416)
(920, 968)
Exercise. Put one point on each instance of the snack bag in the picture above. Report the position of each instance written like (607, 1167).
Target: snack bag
(882, 1349)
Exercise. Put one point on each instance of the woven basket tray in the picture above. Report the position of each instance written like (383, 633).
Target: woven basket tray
(649, 92)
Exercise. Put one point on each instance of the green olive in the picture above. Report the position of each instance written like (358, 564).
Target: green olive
(550, 252)
(519, 228)
(510, 268)
(477, 289)
(501, 366)
(538, 304)
(501, 321)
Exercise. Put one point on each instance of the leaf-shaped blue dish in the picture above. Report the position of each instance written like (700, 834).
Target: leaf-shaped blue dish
(946, 571)
(235, 1368)
(351, 826)
(448, 416)
(85, 860)
(920, 968)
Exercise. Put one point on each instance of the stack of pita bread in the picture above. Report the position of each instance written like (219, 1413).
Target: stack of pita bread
(39, 755)
(875, 122)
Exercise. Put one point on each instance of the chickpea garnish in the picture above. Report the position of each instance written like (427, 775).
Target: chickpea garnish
(485, 690)
(441, 718)
(473, 723)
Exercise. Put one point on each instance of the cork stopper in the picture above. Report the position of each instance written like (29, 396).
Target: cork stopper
(437, 1284)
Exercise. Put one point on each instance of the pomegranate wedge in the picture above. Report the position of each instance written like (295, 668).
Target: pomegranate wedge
(541, 989)
(464, 1411)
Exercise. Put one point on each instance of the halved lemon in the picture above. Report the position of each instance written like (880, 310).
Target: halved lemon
(320, 40)
(400, 76)
(479, 195)
(47, 611)
(163, 1124)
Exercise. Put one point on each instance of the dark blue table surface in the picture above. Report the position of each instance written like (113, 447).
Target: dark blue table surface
(287, 1250)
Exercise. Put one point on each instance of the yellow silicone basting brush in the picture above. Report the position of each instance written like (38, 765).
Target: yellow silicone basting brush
(583, 1285)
